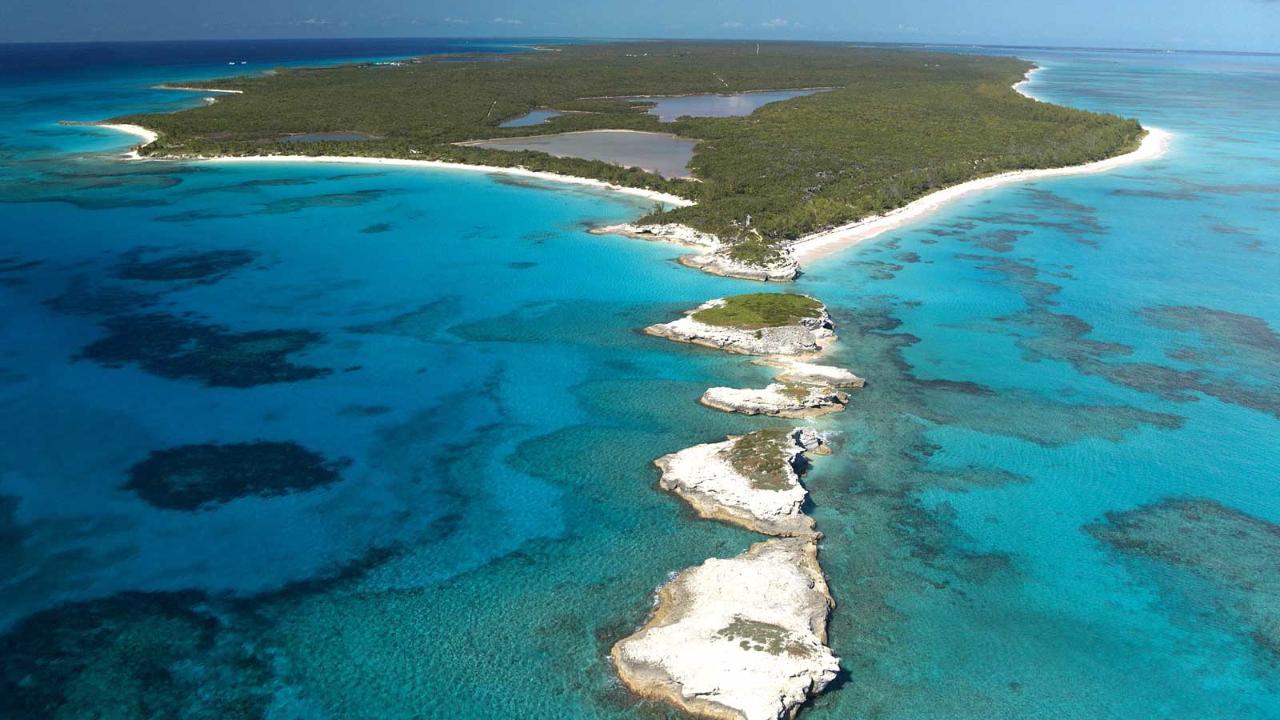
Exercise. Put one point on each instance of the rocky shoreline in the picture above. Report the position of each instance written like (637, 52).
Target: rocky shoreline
(777, 400)
(715, 257)
(806, 336)
(738, 639)
(744, 638)
(752, 481)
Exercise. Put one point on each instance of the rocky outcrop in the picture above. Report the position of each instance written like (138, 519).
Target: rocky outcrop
(781, 269)
(807, 336)
(752, 481)
(715, 257)
(804, 373)
(777, 399)
(667, 232)
(740, 639)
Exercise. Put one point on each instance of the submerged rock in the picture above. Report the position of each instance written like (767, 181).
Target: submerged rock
(1233, 553)
(777, 399)
(752, 481)
(193, 477)
(741, 638)
(793, 336)
(203, 267)
(182, 348)
(167, 656)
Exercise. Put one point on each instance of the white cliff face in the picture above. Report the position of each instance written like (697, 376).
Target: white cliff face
(777, 399)
(807, 336)
(804, 373)
(740, 638)
(705, 477)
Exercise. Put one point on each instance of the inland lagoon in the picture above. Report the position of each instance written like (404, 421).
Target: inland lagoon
(1066, 380)
(667, 109)
(661, 153)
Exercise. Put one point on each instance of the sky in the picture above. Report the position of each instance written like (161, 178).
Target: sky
(1244, 25)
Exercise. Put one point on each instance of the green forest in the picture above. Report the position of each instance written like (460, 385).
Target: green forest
(898, 125)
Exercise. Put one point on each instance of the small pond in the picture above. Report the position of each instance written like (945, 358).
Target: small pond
(533, 117)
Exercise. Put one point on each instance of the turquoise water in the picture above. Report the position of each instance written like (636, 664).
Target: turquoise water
(467, 518)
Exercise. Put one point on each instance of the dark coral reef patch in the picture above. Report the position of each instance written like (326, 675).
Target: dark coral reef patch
(1232, 553)
(180, 348)
(154, 655)
(193, 477)
(203, 267)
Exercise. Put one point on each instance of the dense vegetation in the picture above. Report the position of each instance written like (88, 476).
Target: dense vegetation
(760, 310)
(899, 125)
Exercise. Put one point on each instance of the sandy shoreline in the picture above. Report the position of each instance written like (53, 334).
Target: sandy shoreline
(188, 88)
(811, 247)
(149, 136)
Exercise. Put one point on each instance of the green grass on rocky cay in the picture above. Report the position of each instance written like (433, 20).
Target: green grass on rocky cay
(761, 457)
(761, 310)
(763, 637)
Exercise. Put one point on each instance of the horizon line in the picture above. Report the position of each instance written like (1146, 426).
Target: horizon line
(772, 41)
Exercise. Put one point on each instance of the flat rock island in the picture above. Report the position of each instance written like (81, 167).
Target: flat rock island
(777, 399)
(754, 324)
(752, 481)
(739, 639)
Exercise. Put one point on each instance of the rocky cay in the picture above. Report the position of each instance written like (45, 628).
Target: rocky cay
(744, 638)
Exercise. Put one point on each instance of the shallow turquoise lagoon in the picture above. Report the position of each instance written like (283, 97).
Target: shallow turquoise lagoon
(444, 375)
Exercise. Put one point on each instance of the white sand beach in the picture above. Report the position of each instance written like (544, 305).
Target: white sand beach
(189, 88)
(149, 136)
(1154, 144)
(666, 198)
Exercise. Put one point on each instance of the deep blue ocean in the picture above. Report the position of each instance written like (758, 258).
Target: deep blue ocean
(443, 371)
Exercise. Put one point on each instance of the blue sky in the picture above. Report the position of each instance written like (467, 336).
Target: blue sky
(1189, 24)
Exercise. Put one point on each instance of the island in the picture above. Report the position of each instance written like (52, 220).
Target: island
(752, 481)
(754, 324)
(777, 399)
(888, 128)
(744, 638)
(736, 639)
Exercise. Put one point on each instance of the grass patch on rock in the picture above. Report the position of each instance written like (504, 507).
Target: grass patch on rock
(761, 456)
(760, 310)
(762, 637)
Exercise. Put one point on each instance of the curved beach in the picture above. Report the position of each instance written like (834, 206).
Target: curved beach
(1154, 145)
(810, 247)
(149, 136)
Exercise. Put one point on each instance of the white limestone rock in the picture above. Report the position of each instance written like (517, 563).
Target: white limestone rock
(777, 399)
(741, 638)
(807, 336)
(769, 501)
(667, 232)
(720, 262)
(804, 373)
